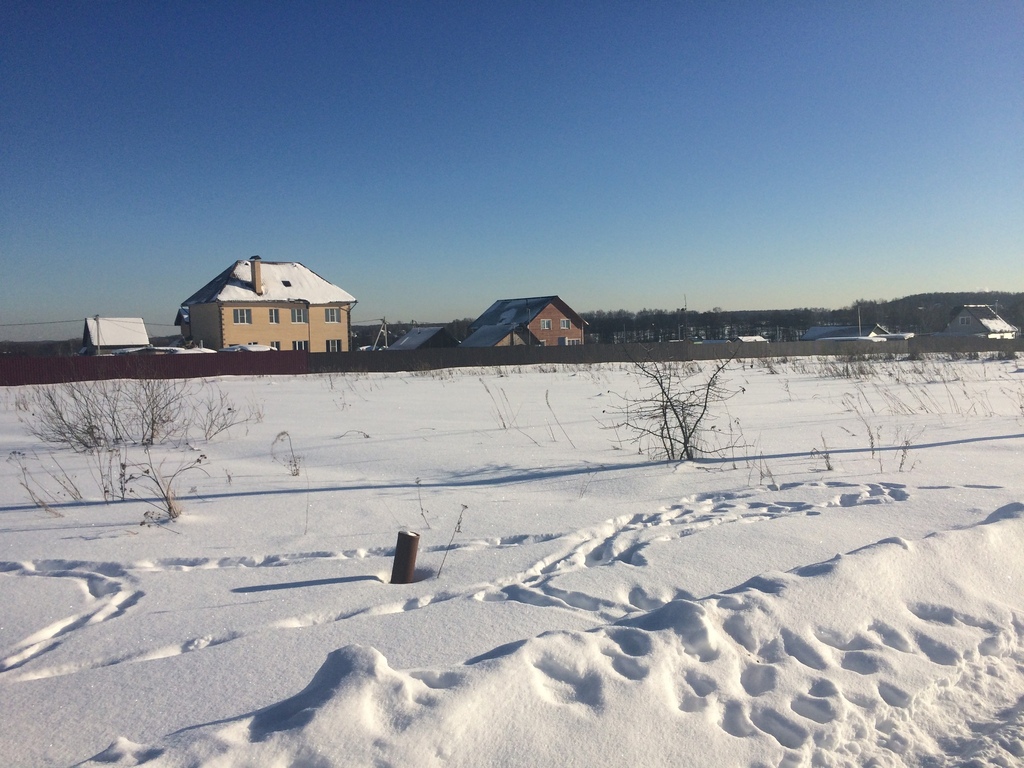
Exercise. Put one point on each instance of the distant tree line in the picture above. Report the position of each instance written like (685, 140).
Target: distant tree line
(921, 313)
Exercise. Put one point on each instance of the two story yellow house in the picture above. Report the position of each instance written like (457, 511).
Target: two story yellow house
(279, 304)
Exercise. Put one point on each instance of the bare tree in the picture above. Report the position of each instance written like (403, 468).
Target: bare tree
(671, 416)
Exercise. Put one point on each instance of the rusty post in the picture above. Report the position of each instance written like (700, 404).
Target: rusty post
(404, 569)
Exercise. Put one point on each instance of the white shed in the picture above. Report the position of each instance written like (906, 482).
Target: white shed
(103, 335)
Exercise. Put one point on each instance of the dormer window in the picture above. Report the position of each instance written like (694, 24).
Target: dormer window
(286, 283)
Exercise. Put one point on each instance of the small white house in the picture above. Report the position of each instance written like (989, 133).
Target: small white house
(106, 335)
(979, 320)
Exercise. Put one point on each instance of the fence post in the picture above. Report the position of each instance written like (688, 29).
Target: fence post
(404, 568)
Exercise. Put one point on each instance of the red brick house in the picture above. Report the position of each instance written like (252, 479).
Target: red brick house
(536, 321)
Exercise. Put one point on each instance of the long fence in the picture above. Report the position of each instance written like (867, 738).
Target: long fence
(16, 370)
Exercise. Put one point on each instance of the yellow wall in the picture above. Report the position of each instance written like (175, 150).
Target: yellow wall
(261, 331)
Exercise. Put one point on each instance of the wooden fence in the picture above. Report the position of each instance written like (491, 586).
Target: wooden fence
(16, 370)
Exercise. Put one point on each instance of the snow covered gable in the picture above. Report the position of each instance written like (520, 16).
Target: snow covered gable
(980, 320)
(105, 334)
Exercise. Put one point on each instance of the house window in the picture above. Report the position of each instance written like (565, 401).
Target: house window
(965, 320)
(300, 346)
(334, 345)
(545, 325)
(275, 316)
(572, 342)
(331, 315)
(276, 344)
(299, 315)
(242, 316)
(564, 324)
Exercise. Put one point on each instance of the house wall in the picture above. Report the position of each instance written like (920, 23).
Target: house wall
(321, 331)
(551, 338)
(315, 332)
(205, 327)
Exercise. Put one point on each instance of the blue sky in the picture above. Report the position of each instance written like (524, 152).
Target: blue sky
(432, 157)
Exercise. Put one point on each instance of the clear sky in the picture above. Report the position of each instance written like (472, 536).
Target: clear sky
(431, 157)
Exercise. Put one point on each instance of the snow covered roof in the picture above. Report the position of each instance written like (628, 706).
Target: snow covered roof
(519, 311)
(114, 332)
(489, 335)
(280, 281)
(842, 331)
(418, 337)
(988, 318)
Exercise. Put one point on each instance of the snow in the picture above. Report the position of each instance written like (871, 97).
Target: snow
(841, 588)
(116, 331)
(282, 281)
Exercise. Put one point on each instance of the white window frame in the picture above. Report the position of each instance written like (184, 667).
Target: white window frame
(242, 316)
(564, 324)
(300, 346)
(334, 345)
(545, 324)
(275, 316)
(332, 315)
(276, 345)
(300, 316)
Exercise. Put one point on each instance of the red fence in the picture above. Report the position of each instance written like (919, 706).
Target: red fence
(19, 370)
(16, 370)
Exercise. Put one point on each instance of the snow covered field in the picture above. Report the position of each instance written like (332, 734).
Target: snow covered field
(842, 588)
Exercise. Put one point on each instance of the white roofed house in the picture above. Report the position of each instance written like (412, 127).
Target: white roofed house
(277, 304)
(106, 335)
(979, 320)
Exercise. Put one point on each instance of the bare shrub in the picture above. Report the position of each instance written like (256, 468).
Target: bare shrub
(87, 416)
(283, 452)
(158, 409)
(213, 413)
(163, 482)
(669, 417)
(35, 494)
(825, 454)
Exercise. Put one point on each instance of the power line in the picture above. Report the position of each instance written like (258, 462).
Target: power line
(78, 320)
(50, 322)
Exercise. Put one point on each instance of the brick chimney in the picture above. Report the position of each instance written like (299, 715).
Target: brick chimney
(257, 277)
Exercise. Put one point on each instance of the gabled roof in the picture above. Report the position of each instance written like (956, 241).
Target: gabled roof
(282, 281)
(425, 336)
(987, 317)
(114, 332)
(492, 335)
(520, 311)
(842, 332)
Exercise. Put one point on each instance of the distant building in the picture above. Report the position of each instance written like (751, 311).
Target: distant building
(979, 320)
(106, 335)
(278, 304)
(536, 321)
(836, 332)
(425, 337)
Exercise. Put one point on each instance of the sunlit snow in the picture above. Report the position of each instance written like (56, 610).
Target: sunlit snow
(841, 587)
